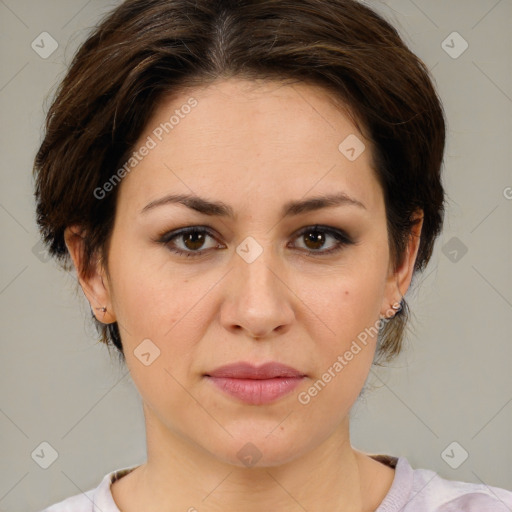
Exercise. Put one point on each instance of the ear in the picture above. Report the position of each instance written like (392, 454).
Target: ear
(96, 285)
(398, 280)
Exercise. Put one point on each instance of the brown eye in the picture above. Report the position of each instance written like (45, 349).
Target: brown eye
(315, 237)
(192, 240)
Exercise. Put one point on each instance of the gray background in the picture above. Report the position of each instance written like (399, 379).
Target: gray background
(452, 383)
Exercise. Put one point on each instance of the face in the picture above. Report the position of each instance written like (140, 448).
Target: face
(267, 281)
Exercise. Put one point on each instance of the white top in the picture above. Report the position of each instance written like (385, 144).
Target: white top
(412, 490)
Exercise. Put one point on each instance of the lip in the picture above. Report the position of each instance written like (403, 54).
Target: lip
(256, 385)
(243, 370)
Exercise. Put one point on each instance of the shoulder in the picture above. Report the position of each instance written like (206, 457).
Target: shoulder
(99, 498)
(423, 490)
(438, 494)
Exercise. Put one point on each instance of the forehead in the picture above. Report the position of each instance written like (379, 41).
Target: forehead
(245, 140)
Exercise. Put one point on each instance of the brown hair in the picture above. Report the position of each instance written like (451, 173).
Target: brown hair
(146, 49)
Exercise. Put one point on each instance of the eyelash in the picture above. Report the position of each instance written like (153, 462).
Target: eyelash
(342, 239)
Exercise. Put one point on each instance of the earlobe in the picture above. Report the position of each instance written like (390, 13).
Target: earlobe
(92, 282)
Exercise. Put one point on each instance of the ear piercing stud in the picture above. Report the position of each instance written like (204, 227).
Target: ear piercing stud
(397, 306)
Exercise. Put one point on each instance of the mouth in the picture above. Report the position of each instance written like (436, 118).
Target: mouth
(256, 385)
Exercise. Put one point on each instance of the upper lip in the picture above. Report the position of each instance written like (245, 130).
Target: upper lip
(243, 370)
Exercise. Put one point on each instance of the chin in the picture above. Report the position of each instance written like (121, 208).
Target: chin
(254, 447)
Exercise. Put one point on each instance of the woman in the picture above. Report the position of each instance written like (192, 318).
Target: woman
(246, 190)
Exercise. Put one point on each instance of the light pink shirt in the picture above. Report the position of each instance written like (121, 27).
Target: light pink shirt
(413, 490)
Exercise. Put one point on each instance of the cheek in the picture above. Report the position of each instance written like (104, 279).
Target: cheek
(157, 336)
(347, 301)
(344, 352)
(159, 385)
(147, 298)
(345, 328)
(159, 313)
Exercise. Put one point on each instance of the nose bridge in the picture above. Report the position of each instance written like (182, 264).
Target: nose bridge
(257, 263)
(258, 299)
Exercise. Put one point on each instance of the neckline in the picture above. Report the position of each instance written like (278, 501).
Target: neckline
(395, 498)
(388, 460)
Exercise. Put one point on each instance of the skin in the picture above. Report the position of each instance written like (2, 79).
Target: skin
(254, 146)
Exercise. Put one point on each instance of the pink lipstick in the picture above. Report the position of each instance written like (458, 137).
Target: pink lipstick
(256, 385)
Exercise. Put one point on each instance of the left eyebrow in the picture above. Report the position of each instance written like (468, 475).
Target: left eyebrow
(220, 209)
(320, 202)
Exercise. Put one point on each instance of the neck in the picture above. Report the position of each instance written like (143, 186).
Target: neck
(180, 475)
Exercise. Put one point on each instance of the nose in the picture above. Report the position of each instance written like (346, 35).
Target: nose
(258, 299)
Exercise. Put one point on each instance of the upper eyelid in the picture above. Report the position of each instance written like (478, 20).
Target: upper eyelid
(330, 230)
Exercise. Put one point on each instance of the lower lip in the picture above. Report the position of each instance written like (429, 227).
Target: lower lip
(257, 391)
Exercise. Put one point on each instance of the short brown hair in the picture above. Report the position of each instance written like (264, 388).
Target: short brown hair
(147, 49)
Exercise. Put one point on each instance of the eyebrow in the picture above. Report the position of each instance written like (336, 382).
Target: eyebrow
(220, 209)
